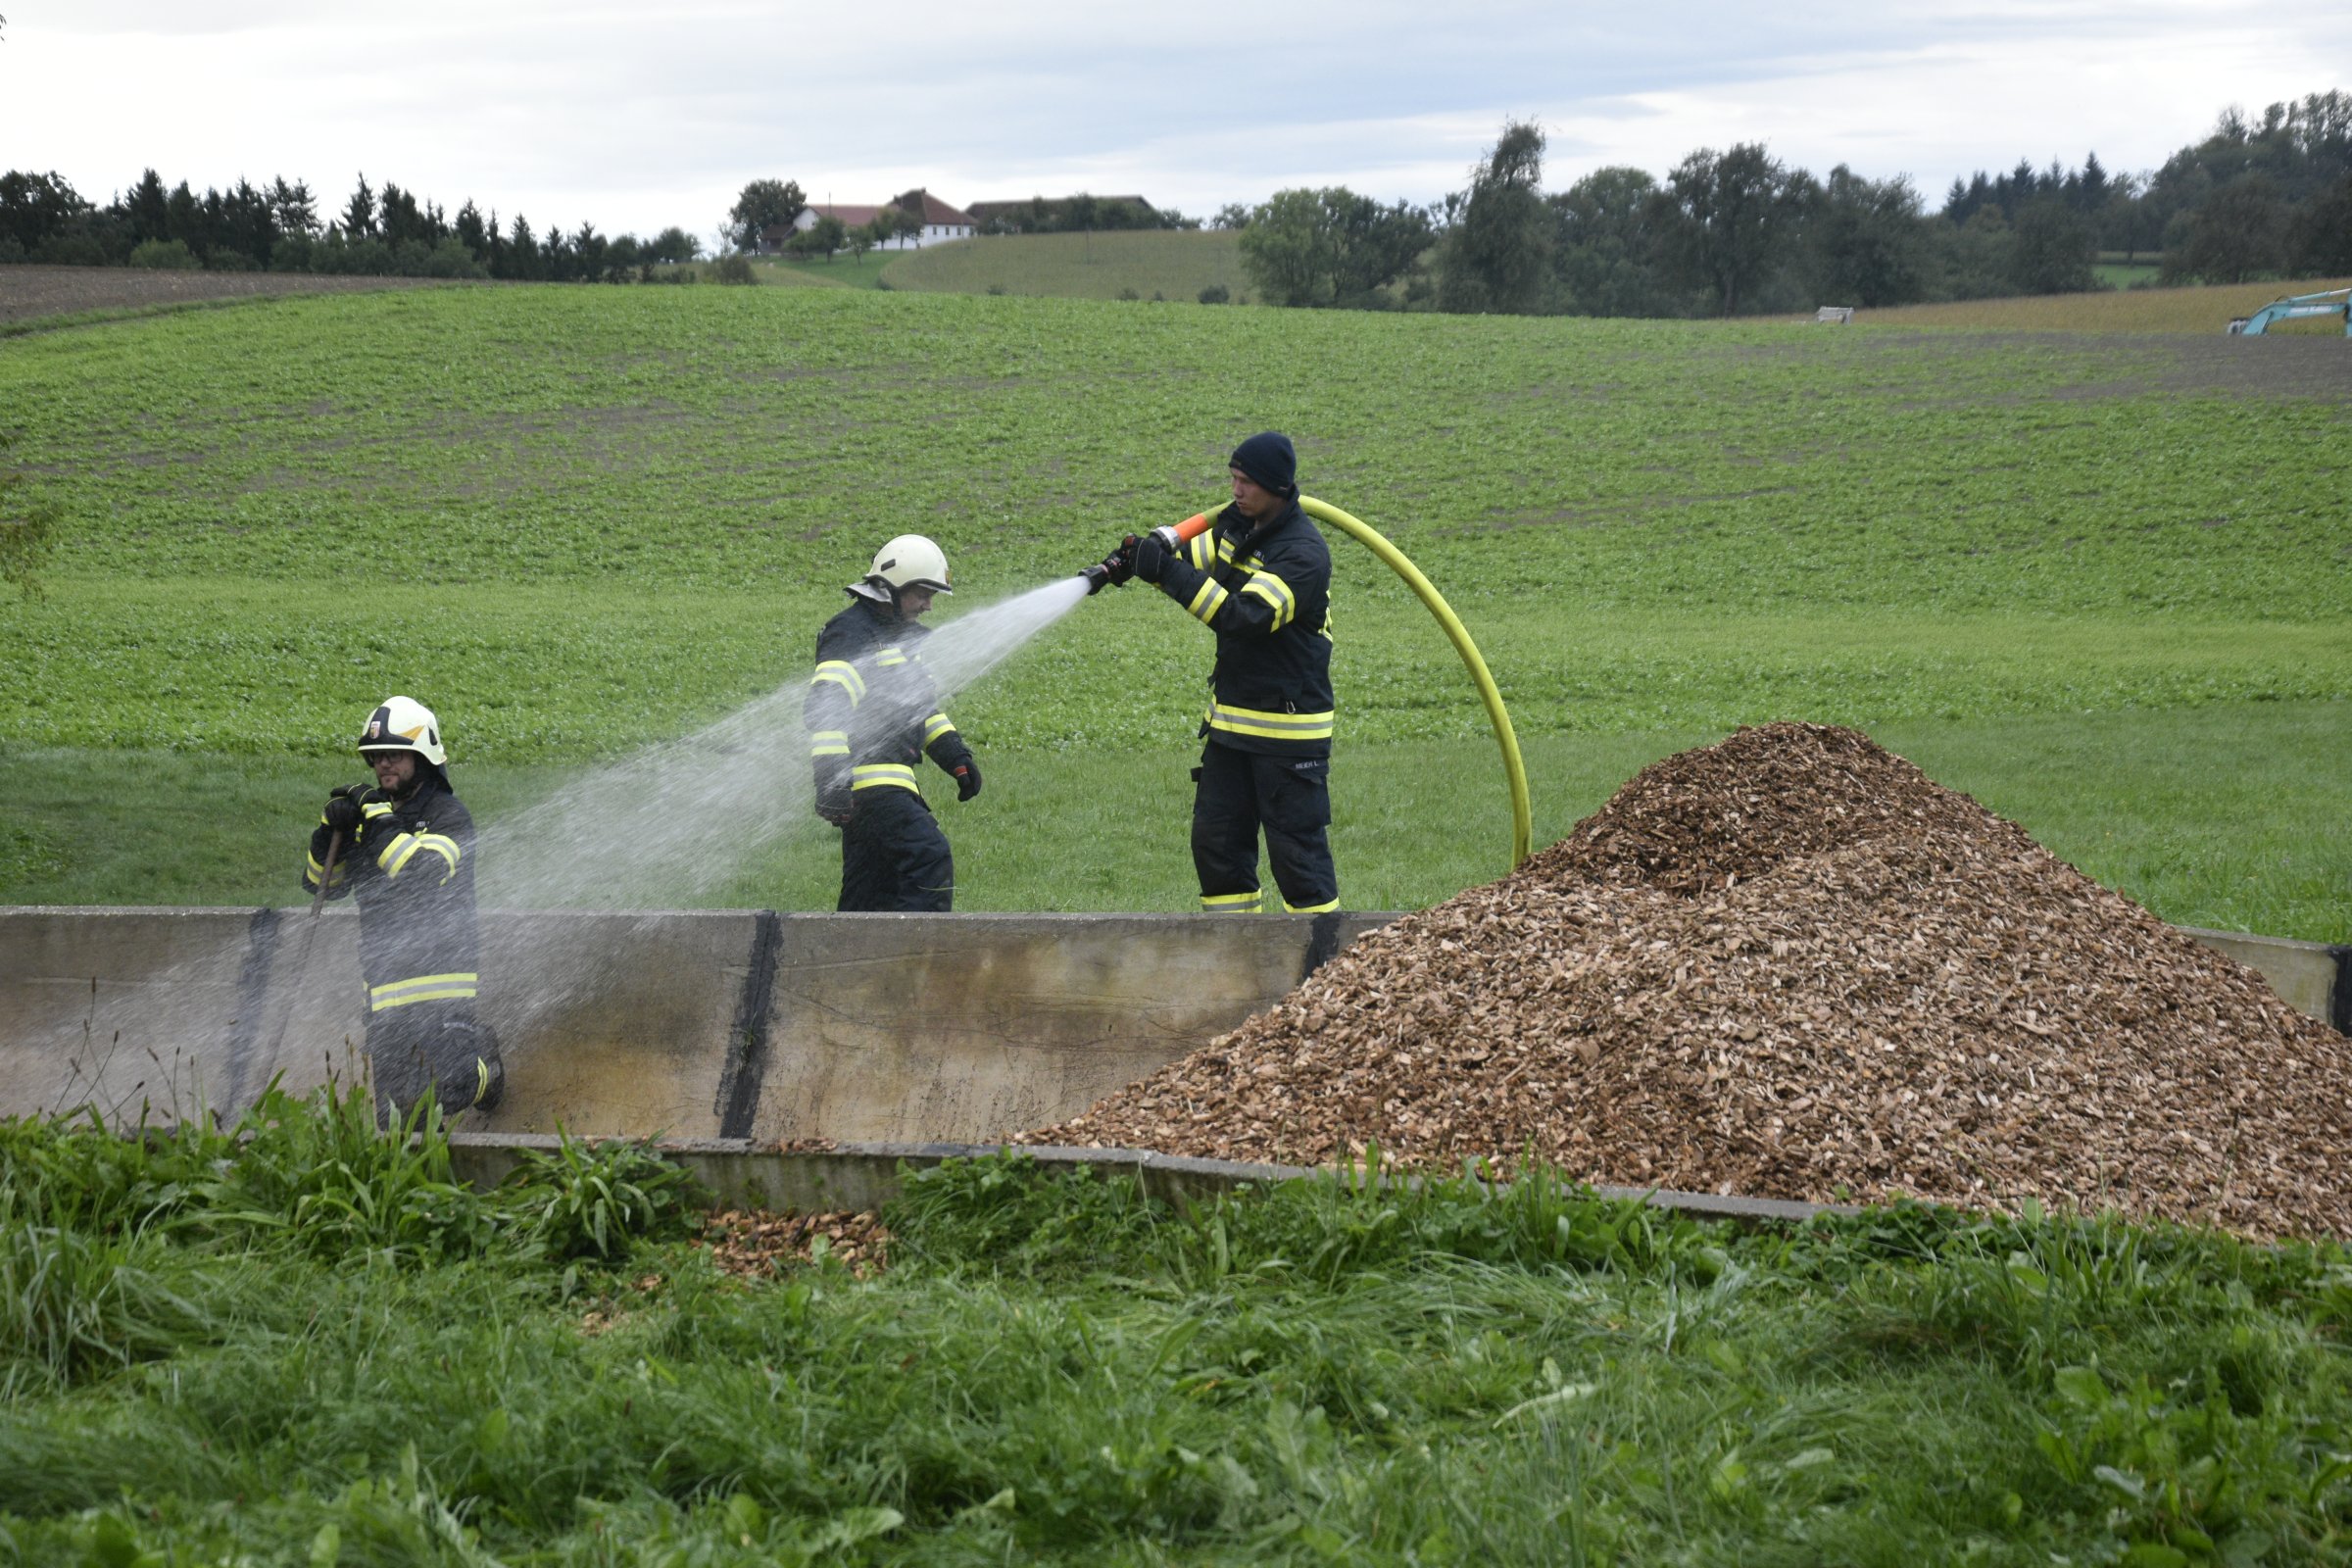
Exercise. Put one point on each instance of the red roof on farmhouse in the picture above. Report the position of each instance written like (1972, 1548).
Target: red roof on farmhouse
(931, 210)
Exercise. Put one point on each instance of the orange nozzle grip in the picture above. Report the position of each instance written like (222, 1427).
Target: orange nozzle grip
(1192, 527)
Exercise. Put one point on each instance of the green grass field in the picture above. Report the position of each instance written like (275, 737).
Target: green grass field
(2194, 310)
(313, 1347)
(2102, 584)
(2099, 582)
(1167, 265)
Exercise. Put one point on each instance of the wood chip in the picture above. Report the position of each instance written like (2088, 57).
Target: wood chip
(1789, 965)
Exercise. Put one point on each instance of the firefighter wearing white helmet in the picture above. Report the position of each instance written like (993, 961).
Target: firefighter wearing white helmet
(403, 848)
(874, 715)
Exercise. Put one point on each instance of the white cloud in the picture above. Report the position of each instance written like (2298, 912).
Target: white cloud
(635, 118)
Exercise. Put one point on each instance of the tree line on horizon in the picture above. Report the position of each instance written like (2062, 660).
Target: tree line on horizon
(1739, 232)
(279, 227)
(1728, 233)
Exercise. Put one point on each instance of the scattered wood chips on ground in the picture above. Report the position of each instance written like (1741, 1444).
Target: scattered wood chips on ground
(1789, 965)
(760, 1244)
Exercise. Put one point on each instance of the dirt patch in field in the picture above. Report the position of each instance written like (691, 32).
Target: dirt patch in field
(1789, 965)
(29, 293)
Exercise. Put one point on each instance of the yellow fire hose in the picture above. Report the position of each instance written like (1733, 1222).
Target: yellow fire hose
(1513, 770)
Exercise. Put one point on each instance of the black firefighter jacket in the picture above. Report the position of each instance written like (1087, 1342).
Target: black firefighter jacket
(872, 711)
(411, 871)
(1266, 593)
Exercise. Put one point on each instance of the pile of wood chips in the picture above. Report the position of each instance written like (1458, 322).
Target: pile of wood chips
(759, 1245)
(1789, 965)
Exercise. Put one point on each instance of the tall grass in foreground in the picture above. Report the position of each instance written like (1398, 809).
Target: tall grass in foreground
(1056, 1368)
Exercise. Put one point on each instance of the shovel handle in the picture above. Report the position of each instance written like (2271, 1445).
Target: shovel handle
(334, 847)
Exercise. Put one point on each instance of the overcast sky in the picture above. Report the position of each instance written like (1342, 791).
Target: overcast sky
(635, 116)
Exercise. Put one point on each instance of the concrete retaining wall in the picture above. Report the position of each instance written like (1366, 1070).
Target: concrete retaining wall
(708, 1024)
(695, 1024)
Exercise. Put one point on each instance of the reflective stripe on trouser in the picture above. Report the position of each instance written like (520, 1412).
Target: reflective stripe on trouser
(434, 1049)
(1237, 793)
(421, 988)
(894, 856)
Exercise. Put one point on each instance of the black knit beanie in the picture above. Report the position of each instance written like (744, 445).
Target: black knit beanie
(1268, 458)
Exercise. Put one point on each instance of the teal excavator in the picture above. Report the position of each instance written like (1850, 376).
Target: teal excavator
(2335, 302)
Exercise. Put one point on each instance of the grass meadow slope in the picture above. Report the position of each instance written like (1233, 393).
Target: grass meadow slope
(1153, 263)
(2200, 309)
(2099, 581)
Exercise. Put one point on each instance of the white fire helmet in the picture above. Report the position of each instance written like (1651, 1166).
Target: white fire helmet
(910, 560)
(404, 724)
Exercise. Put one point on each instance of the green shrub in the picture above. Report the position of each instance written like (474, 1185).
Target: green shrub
(733, 270)
(165, 255)
(593, 1198)
(320, 1175)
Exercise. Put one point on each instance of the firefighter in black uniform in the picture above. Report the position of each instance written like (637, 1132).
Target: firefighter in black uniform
(873, 714)
(1261, 579)
(403, 849)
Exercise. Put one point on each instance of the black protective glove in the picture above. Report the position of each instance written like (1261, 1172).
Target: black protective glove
(1151, 557)
(342, 811)
(967, 777)
(1121, 563)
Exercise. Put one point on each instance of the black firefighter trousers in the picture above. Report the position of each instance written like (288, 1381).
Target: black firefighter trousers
(1236, 793)
(431, 1048)
(894, 856)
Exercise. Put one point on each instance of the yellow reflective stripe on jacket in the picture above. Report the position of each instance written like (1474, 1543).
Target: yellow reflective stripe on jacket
(1207, 602)
(935, 726)
(1229, 902)
(1196, 549)
(1287, 908)
(396, 855)
(1275, 592)
(444, 845)
(316, 869)
(829, 743)
(841, 674)
(1270, 726)
(883, 775)
(892, 656)
(421, 988)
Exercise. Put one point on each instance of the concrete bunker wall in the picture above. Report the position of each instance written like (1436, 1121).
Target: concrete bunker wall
(735, 1024)
(693, 1024)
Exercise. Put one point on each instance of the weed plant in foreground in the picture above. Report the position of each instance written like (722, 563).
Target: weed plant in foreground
(373, 1364)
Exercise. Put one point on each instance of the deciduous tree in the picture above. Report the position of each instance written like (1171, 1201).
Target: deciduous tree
(762, 204)
(1737, 218)
(1497, 253)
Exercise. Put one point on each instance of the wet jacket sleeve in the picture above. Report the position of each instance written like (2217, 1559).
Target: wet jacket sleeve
(414, 860)
(834, 692)
(941, 740)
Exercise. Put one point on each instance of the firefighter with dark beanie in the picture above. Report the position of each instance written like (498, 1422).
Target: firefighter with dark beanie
(872, 714)
(403, 849)
(1259, 578)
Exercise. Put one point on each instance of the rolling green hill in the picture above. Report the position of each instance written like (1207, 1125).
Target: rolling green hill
(1144, 265)
(2099, 581)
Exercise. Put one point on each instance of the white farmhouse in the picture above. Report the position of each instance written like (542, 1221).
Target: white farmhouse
(940, 221)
